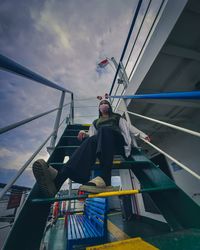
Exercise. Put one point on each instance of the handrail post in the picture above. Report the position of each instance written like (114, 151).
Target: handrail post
(56, 124)
(124, 76)
(69, 193)
(72, 108)
(122, 72)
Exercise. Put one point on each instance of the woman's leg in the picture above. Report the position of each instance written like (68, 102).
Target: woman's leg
(78, 168)
(108, 142)
(79, 165)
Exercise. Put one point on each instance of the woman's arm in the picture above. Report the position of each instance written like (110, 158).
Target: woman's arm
(125, 131)
(82, 134)
(92, 131)
(130, 130)
(136, 132)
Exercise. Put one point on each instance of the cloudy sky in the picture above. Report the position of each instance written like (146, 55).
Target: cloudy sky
(63, 41)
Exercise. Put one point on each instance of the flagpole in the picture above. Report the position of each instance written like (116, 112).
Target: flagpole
(110, 60)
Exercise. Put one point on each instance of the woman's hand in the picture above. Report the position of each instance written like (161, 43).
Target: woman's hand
(147, 138)
(81, 135)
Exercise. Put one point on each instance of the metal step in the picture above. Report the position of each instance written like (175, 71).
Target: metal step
(178, 209)
(69, 140)
(117, 164)
(106, 194)
(71, 132)
(79, 126)
(66, 150)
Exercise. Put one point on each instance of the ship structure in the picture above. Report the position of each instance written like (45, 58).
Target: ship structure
(158, 203)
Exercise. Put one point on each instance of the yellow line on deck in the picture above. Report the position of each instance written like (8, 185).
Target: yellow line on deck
(117, 233)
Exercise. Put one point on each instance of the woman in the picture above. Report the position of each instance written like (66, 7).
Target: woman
(109, 134)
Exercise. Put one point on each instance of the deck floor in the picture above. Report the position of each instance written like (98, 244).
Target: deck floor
(137, 227)
(118, 229)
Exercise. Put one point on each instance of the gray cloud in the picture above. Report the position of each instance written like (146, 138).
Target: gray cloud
(63, 41)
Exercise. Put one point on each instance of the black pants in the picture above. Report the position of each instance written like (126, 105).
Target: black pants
(104, 145)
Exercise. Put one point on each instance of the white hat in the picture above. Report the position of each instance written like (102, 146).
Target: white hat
(103, 98)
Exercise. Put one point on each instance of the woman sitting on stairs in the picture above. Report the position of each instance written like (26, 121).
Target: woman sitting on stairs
(108, 135)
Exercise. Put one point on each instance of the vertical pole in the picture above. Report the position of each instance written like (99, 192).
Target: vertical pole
(56, 124)
(115, 62)
(21, 204)
(72, 108)
(69, 193)
(121, 72)
(124, 75)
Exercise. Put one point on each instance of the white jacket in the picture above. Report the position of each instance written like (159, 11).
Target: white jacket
(128, 132)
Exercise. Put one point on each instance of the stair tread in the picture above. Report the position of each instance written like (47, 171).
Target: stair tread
(117, 193)
(97, 163)
(69, 136)
(74, 129)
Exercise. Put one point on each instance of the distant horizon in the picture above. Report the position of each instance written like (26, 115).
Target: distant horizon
(2, 185)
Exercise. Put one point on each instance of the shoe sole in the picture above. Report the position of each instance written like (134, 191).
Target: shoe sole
(96, 190)
(44, 179)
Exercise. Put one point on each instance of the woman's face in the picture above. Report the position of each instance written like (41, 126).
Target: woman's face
(104, 107)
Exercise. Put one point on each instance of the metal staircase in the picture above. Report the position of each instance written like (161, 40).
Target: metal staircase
(177, 208)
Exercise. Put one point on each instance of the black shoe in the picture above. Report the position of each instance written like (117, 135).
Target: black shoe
(45, 175)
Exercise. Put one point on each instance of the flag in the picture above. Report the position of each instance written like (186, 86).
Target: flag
(103, 63)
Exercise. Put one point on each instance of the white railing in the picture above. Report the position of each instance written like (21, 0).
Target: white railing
(20, 123)
(173, 159)
(191, 132)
